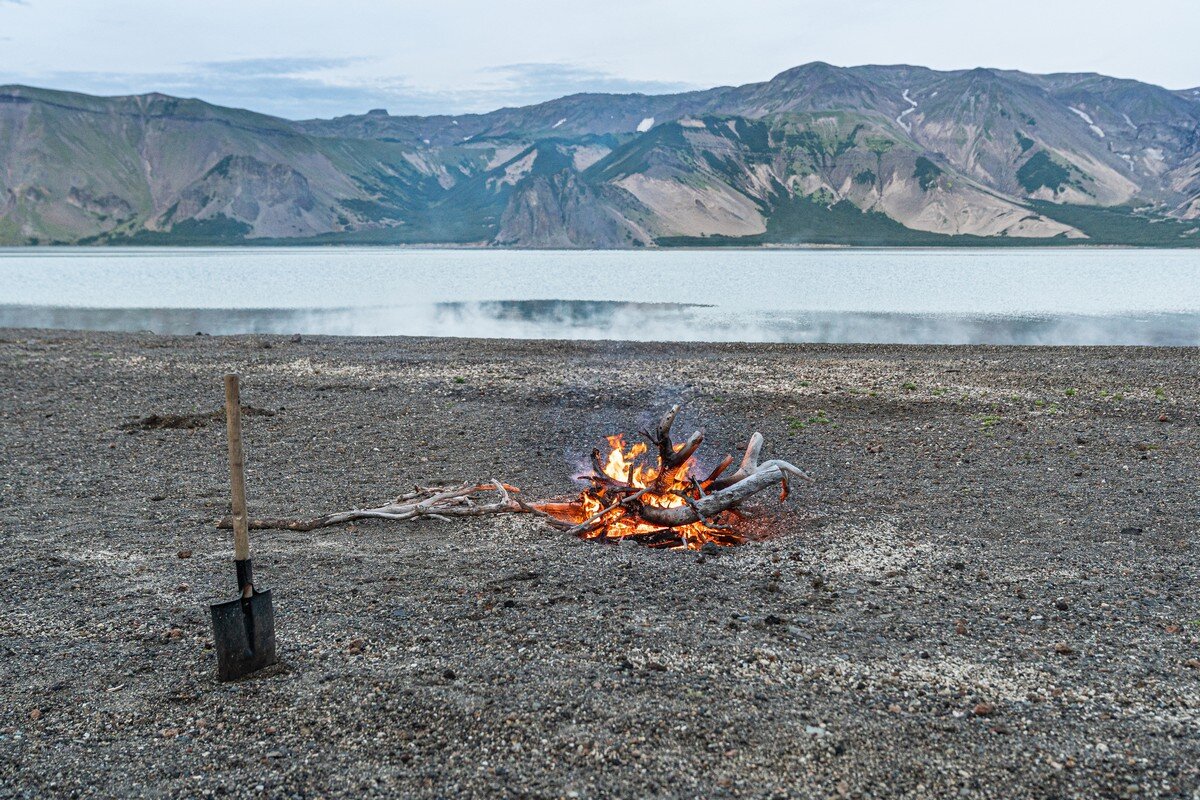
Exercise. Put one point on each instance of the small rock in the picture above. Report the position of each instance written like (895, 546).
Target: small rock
(449, 674)
(296, 338)
(1061, 604)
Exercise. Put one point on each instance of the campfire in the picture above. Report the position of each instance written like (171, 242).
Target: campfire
(665, 502)
(648, 492)
(608, 509)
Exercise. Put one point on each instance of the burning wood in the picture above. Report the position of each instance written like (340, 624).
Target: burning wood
(659, 504)
(665, 504)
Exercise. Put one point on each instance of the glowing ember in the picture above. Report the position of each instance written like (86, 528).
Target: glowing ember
(627, 479)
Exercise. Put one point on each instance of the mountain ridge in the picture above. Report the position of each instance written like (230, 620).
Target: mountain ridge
(874, 154)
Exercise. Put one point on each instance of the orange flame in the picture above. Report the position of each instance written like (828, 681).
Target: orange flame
(629, 471)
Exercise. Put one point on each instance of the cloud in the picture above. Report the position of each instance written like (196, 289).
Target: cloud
(258, 67)
(549, 80)
(307, 87)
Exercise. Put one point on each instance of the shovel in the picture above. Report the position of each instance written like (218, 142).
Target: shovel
(243, 629)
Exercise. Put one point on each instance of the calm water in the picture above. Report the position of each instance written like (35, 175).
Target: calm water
(922, 296)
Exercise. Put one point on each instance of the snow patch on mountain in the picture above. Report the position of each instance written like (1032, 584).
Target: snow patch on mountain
(900, 119)
(1083, 115)
(645, 125)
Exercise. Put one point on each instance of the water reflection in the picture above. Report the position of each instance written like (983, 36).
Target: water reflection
(588, 319)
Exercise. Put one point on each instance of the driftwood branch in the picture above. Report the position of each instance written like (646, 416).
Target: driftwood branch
(672, 460)
(709, 506)
(434, 503)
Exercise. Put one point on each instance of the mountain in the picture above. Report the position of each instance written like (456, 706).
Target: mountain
(871, 155)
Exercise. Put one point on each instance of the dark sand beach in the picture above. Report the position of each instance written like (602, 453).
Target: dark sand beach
(991, 590)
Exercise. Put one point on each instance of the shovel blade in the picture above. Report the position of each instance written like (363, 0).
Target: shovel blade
(244, 635)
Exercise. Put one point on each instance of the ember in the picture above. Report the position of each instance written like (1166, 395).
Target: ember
(664, 504)
(624, 480)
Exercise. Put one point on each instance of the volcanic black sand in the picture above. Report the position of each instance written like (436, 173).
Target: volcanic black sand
(991, 590)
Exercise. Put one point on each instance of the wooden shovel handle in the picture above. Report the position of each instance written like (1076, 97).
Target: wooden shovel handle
(237, 473)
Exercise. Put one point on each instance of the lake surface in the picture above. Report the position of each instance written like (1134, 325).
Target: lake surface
(1076, 296)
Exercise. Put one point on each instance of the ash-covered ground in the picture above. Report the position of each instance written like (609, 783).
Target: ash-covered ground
(990, 592)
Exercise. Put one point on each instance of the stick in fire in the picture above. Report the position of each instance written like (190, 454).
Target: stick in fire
(661, 505)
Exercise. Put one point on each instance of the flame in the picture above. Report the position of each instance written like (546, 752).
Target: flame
(631, 466)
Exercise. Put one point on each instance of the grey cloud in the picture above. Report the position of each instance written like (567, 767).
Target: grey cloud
(293, 97)
(550, 80)
(295, 88)
(274, 66)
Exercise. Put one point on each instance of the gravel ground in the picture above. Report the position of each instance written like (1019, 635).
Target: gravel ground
(991, 591)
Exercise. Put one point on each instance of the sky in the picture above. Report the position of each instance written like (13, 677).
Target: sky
(322, 58)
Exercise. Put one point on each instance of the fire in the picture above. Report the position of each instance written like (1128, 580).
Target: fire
(629, 476)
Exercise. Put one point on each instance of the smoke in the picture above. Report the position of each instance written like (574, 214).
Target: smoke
(625, 321)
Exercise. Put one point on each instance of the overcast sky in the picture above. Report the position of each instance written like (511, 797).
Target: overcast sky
(307, 58)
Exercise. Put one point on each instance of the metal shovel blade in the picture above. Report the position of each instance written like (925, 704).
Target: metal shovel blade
(244, 634)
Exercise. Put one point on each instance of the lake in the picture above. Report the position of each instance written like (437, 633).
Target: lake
(1076, 296)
